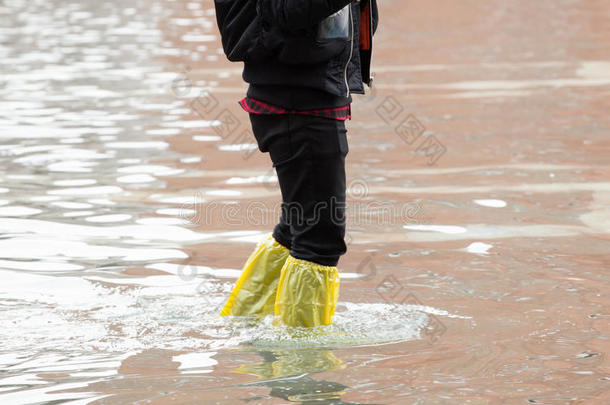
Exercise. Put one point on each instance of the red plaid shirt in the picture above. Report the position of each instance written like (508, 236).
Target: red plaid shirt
(255, 106)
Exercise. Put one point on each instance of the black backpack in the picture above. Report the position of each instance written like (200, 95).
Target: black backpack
(247, 36)
(240, 28)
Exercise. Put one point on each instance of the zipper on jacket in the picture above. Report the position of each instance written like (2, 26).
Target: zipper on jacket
(371, 42)
(351, 48)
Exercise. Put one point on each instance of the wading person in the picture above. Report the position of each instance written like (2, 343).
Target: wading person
(302, 59)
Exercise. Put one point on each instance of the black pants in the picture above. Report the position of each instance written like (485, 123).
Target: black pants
(308, 154)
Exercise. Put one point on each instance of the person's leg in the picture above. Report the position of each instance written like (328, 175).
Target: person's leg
(309, 156)
(255, 291)
(272, 134)
(282, 232)
(313, 188)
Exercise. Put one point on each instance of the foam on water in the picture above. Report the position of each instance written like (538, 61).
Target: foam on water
(62, 313)
(353, 324)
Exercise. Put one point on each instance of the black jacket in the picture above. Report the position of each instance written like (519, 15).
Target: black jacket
(317, 46)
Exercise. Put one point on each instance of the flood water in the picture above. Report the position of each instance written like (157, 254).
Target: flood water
(131, 193)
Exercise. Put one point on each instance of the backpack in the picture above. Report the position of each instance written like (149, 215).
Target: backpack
(246, 36)
(240, 28)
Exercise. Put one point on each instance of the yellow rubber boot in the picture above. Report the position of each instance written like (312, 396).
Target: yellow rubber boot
(307, 293)
(255, 290)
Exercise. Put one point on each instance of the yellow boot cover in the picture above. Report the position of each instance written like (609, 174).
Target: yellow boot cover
(307, 293)
(293, 362)
(255, 290)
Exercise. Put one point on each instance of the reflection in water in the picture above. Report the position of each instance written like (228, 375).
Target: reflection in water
(283, 363)
(288, 374)
(108, 286)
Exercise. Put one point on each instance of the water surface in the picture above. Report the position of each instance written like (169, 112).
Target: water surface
(131, 192)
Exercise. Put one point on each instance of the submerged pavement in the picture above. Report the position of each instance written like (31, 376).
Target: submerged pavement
(131, 192)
